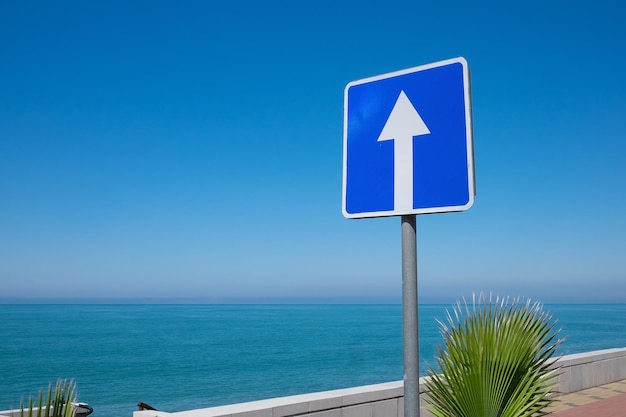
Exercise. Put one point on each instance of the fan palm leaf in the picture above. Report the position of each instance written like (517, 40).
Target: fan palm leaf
(496, 360)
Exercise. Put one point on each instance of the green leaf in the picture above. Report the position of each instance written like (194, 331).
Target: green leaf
(57, 403)
(496, 360)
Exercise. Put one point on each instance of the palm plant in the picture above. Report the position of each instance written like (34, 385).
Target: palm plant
(496, 360)
(57, 403)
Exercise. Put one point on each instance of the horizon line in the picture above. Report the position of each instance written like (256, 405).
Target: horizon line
(260, 300)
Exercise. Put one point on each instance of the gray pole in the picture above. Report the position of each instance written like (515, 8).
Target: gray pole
(409, 317)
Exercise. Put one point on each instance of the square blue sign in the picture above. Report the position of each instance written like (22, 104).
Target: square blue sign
(407, 145)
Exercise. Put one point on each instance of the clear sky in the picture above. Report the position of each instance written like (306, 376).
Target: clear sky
(194, 149)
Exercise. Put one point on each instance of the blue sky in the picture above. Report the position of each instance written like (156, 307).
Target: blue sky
(194, 149)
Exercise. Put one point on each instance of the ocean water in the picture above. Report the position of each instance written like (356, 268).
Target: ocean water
(178, 357)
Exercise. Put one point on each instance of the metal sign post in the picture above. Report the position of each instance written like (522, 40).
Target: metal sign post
(408, 150)
(409, 317)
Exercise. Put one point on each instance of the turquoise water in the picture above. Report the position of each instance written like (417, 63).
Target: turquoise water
(178, 357)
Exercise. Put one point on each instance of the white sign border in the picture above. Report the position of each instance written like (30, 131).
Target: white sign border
(468, 134)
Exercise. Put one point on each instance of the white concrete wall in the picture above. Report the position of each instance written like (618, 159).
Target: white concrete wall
(591, 369)
(577, 372)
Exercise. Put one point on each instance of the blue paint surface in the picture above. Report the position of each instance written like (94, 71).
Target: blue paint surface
(441, 177)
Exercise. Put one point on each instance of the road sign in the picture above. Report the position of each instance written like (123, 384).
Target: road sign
(407, 145)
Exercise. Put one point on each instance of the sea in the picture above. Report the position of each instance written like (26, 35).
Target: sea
(181, 357)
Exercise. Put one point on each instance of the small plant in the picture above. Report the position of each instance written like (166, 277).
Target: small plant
(495, 362)
(57, 403)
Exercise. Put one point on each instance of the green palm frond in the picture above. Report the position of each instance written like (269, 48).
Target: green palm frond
(496, 360)
(57, 403)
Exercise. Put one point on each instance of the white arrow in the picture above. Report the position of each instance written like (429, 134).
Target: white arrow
(403, 124)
